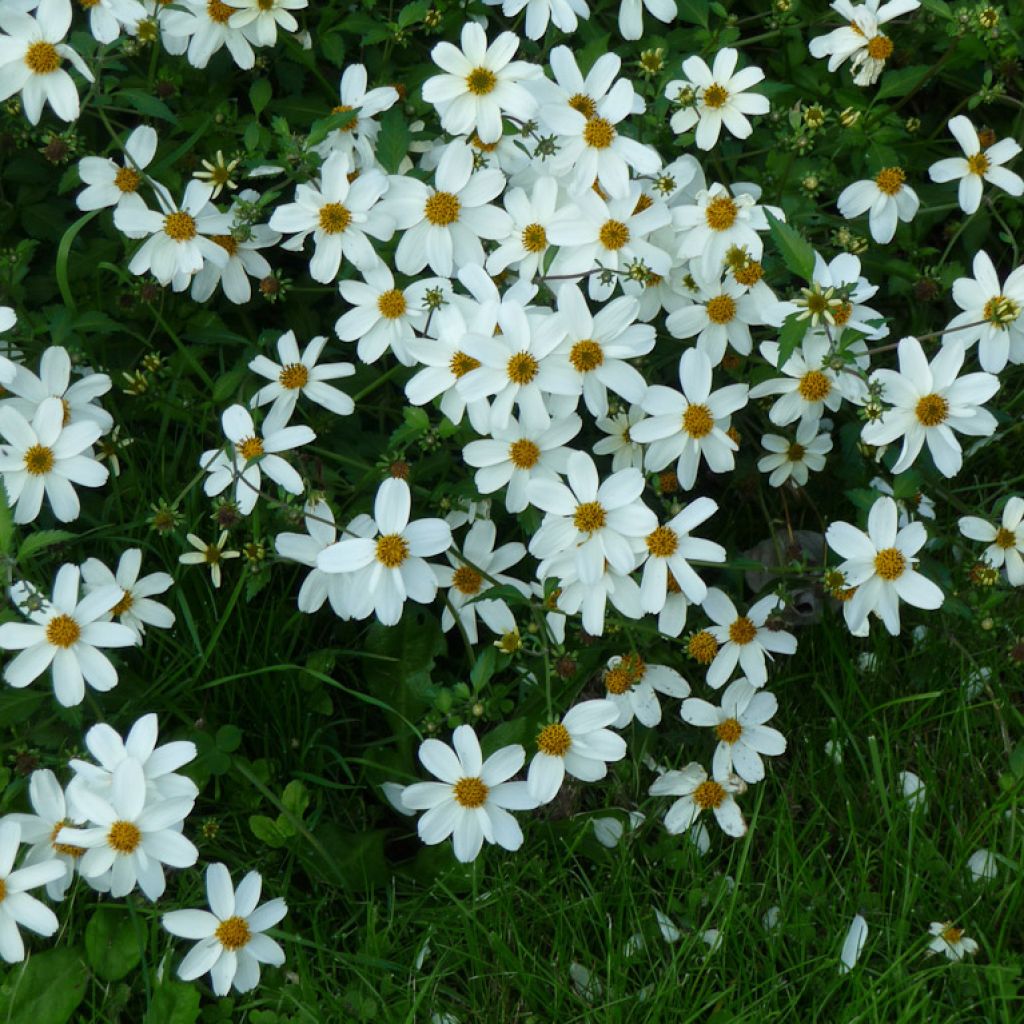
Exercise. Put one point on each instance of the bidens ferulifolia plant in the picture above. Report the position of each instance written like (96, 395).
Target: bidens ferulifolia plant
(542, 387)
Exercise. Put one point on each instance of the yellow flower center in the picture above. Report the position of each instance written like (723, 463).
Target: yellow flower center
(127, 179)
(613, 235)
(662, 542)
(334, 218)
(219, 12)
(62, 631)
(181, 226)
(442, 209)
(931, 410)
(742, 631)
(672, 584)
(841, 313)
(481, 81)
(880, 47)
(42, 58)
(233, 933)
(1000, 311)
(522, 368)
(698, 421)
(344, 108)
(978, 164)
(749, 273)
(720, 214)
(586, 355)
(124, 837)
(212, 554)
(721, 309)
(554, 740)
(617, 680)
(589, 516)
(702, 647)
(709, 795)
(598, 133)
(124, 604)
(1005, 538)
(460, 364)
(392, 550)
(64, 848)
(796, 452)
(293, 376)
(534, 238)
(467, 581)
(226, 242)
(250, 447)
(38, 460)
(584, 104)
(470, 793)
(890, 180)
(523, 454)
(890, 563)
(391, 304)
(952, 934)
(715, 96)
(814, 386)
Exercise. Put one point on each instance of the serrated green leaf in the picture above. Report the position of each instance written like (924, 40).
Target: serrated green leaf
(112, 945)
(393, 141)
(796, 252)
(323, 127)
(791, 335)
(40, 541)
(173, 1003)
(46, 989)
(259, 94)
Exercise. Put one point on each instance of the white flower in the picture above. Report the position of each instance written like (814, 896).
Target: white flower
(619, 443)
(136, 609)
(8, 369)
(888, 198)
(690, 425)
(231, 942)
(580, 745)
(856, 936)
(879, 564)
(913, 790)
(481, 84)
(44, 457)
(108, 17)
(570, 89)
(632, 685)
(591, 599)
(928, 403)
(204, 26)
(211, 554)
(130, 835)
(31, 52)
(743, 639)
(111, 184)
(631, 15)
(1005, 542)
(976, 167)
(698, 793)
(528, 241)
(390, 566)
(179, 240)
(717, 98)
(916, 506)
(794, 459)
(588, 522)
(443, 225)
(860, 38)
(67, 633)
(721, 314)
(298, 374)
(982, 865)
(739, 724)
(253, 453)
(950, 940)
(561, 13)
(359, 136)
(472, 801)
(991, 315)
(262, 18)
(16, 906)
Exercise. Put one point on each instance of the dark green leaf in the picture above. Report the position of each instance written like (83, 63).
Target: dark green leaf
(411, 13)
(902, 81)
(173, 1003)
(791, 335)
(112, 944)
(6, 525)
(393, 142)
(694, 11)
(796, 251)
(259, 94)
(147, 104)
(40, 540)
(322, 128)
(46, 989)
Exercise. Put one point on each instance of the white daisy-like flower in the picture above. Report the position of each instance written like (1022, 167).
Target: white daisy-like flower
(263, 18)
(886, 198)
(1005, 542)
(716, 96)
(108, 17)
(31, 52)
(632, 685)
(853, 944)
(130, 835)
(690, 425)
(631, 15)
(40, 829)
(589, 523)
(253, 453)
(481, 83)
(570, 88)
(528, 242)
(794, 459)
(8, 369)
(879, 564)
(136, 609)
(739, 724)
(861, 37)
(743, 640)
(44, 457)
(359, 136)
(298, 374)
(982, 866)
(391, 565)
(721, 315)
(464, 576)
(977, 166)
(619, 443)
(179, 241)
(563, 14)
(339, 214)
(211, 554)
(111, 184)
(950, 940)
(698, 793)
(67, 633)
(202, 27)
(515, 454)
(231, 941)
(929, 401)
(991, 314)
(580, 745)
(442, 226)
(472, 801)
(590, 600)
(17, 907)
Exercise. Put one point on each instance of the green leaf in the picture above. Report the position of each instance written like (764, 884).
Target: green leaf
(173, 1003)
(295, 798)
(791, 335)
(47, 989)
(147, 104)
(902, 81)
(228, 738)
(323, 127)
(112, 946)
(694, 11)
(411, 13)
(259, 94)
(266, 830)
(63, 254)
(40, 540)
(796, 251)
(227, 384)
(6, 524)
(393, 142)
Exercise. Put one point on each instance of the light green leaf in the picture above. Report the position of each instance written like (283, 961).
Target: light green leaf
(112, 945)
(797, 253)
(47, 989)
(173, 1003)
